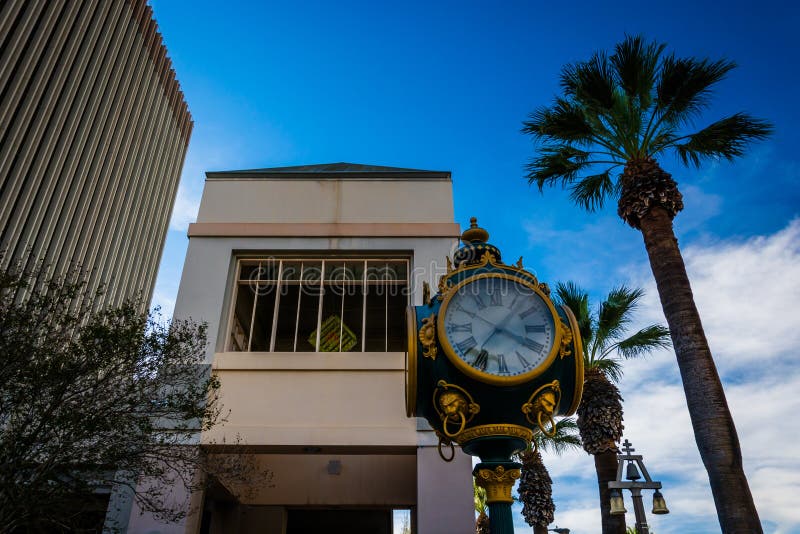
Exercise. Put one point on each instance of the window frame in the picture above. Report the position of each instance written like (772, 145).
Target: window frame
(320, 259)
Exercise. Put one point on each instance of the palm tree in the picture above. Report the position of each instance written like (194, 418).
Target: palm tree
(623, 111)
(535, 485)
(481, 507)
(605, 344)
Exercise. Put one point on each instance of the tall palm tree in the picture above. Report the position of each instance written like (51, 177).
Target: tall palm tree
(605, 344)
(622, 112)
(535, 485)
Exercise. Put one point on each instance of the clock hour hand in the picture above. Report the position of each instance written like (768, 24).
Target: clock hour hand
(527, 342)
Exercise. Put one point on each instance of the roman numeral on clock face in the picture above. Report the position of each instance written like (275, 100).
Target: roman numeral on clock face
(535, 346)
(529, 311)
(501, 364)
(496, 299)
(481, 360)
(457, 327)
(522, 361)
(467, 344)
(534, 328)
(479, 302)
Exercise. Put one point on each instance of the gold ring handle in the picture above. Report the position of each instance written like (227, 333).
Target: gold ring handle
(452, 450)
(552, 431)
(461, 427)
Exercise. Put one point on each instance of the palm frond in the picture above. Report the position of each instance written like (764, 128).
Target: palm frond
(560, 163)
(644, 341)
(577, 300)
(563, 122)
(610, 367)
(635, 63)
(566, 437)
(590, 83)
(726, 138)
(615, 313)
(590, 192)
(684, 85)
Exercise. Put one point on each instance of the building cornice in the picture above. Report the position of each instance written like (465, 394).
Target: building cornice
(209, 229)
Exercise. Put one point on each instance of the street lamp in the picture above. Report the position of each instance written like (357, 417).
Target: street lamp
(634, 466)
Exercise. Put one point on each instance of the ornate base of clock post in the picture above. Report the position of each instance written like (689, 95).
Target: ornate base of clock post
(498, 478)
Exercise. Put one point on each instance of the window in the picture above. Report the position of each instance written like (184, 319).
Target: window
(319, 305)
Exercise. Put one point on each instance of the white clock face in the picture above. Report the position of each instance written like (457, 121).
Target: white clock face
(499, 326)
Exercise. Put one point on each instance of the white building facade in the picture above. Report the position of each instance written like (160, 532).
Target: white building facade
(303, 275)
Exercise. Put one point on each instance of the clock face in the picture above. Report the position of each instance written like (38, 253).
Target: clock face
(500, 327)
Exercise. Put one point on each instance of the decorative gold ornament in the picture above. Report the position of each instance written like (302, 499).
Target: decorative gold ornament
(578, 346)
(449, 264)
(542, 405)
(454, 404)
(427, 336)
(544, 288)
(474, 234)
(566, 340)
(482, 431)
(519, 263)
(498, 483)
(444, 287)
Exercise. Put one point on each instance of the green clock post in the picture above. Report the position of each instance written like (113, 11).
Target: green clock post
(491, 360)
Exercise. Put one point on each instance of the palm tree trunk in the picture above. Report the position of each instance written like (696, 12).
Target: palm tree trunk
(605, 463)
(539, 529)
(711, 419)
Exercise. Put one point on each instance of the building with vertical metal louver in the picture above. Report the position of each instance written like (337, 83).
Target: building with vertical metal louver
(93, 134)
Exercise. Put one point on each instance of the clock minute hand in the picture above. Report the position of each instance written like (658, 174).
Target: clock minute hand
(527, 342)
(515, 337)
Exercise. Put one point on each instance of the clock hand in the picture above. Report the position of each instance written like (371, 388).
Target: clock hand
(527, 342)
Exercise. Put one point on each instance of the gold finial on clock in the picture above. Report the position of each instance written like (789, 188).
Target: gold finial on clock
(474, 234)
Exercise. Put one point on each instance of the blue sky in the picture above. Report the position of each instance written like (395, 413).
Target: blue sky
(445, 86)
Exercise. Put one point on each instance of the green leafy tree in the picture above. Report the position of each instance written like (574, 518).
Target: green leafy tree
(92, 399)
(621, 112)
(605, 344)
(535, 488)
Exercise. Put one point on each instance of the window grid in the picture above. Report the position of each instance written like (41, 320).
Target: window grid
(265, 282)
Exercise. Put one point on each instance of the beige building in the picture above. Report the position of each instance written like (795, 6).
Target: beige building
(303, 275)
(93, 133)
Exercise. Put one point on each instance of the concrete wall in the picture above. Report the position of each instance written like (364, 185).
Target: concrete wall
(326, 200)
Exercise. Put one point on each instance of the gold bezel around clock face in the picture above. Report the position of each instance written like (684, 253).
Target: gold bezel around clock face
(411, 362)
(499, 329)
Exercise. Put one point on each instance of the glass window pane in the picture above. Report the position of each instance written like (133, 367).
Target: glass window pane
(248, 270)
(397, 270)
(262, 325)
(331, 326)
(375, 334)
(242, 314)
(397, 302)
(312, 272)
(353, 314)
(268, 270)
(307, 324)
(287, 318)
(291, 271)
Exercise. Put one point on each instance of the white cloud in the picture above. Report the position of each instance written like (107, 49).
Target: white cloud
(187, 203)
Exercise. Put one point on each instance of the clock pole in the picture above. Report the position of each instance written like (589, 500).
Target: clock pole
(491, 360)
